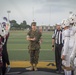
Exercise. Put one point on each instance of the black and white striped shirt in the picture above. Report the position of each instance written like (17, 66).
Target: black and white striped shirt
(58, 37)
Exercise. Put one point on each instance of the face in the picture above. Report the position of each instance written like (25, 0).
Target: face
(67, 27)
(58, 27)
(34, 27)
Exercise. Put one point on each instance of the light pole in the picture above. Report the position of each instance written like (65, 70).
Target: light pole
(8, 14)
(70, 12)
(33, 13)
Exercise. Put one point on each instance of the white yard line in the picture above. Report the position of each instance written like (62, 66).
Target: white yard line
(27, 49)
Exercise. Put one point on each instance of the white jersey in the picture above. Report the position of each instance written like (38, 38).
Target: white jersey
(73, 54)
(66, 34)
(72, 38)
(68, 45)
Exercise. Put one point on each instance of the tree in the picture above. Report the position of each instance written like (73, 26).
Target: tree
(23, 24)
(15, 25)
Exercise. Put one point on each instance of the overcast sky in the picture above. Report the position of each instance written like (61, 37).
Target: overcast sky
(42, 11)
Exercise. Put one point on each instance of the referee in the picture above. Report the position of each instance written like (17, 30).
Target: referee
(57, 43)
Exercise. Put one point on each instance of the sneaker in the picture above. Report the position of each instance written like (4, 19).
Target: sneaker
(61, 71)
(57, 71)
(29, 68)
(35, 69)
(8, 68)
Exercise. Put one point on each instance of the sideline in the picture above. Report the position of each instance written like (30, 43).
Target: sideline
(24, 64)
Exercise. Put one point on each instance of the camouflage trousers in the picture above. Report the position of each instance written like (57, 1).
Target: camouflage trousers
(34, 56)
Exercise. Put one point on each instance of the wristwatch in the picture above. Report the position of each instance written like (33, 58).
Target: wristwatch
(52, 45)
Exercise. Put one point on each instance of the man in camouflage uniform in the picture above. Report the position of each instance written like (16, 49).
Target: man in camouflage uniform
(34, 36)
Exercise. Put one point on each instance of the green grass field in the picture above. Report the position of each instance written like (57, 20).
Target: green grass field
(18, 46)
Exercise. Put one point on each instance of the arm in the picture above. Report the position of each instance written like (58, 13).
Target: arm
(38, 36)
(40, 40)
(53, 41)
(66, 45)
(66, 48)
(72, 57)
(3, 40)
(53, 37)
(30, 39)
(73, 54)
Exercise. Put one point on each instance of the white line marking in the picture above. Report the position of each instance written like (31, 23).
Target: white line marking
(13, 73)
(27, 49)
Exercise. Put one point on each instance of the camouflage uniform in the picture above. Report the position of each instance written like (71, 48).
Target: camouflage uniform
(34, 46)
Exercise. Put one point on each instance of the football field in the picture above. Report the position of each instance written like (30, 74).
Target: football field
(19, 56)
(18, 46)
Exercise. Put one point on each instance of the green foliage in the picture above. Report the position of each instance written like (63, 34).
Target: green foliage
(15, 25)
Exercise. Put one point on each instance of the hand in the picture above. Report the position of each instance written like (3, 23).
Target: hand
(40, 41)
(33, 39)
(63, 57)
(52, 48)
(1, 46)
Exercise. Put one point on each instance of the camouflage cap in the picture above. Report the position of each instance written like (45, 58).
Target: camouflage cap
(33, 24)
